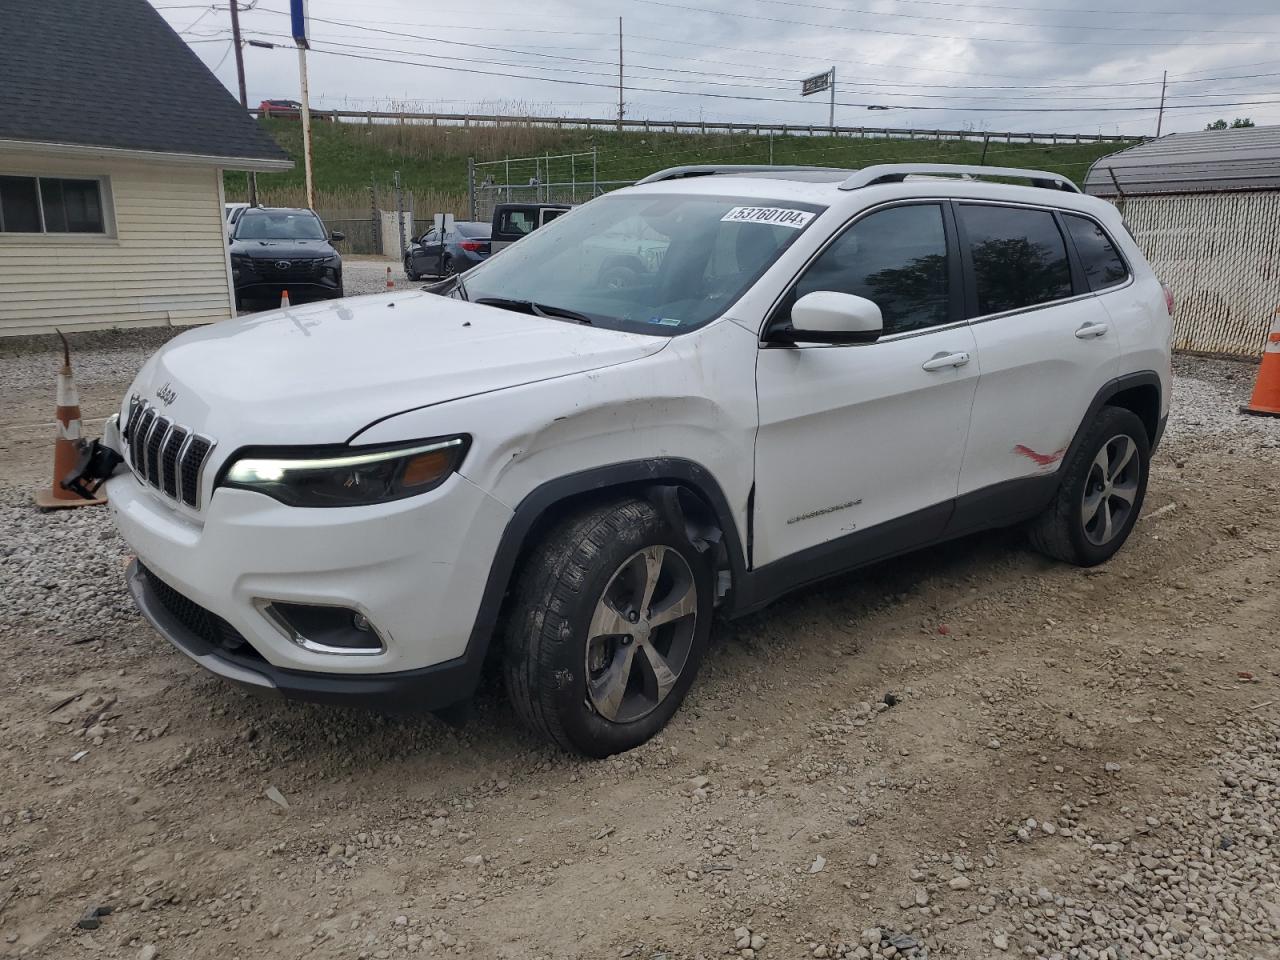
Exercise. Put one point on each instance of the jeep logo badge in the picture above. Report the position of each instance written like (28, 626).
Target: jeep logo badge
(167, 394)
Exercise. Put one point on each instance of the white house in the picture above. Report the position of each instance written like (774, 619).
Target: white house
(113, 140)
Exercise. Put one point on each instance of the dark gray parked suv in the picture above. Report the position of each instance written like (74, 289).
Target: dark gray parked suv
(281, 248)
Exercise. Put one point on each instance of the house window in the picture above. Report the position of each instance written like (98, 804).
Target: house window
(51, 205)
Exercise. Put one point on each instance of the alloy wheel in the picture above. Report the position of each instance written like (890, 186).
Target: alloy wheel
(1110, 490)
(641, 634)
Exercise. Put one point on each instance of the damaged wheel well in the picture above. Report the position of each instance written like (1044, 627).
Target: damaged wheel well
(684, 491)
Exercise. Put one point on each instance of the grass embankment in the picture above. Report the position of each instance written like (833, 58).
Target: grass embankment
(433, 160)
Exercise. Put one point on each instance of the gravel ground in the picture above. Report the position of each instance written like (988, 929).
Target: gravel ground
(971, 752)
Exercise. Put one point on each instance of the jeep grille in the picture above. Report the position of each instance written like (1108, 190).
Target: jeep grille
(165, 455)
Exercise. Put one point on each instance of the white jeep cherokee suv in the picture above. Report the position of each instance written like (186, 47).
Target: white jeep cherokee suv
(572, 465)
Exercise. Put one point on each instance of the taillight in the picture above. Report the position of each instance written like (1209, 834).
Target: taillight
(471, 245)
(1168, 298)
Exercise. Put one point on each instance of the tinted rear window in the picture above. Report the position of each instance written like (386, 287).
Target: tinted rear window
(1103, 265)
(473, 230)
(1019, 257)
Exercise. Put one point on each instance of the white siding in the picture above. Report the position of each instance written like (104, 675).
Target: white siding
(165, 263)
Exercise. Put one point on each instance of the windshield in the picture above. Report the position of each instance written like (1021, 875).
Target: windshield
(279, 225)
(644, 262)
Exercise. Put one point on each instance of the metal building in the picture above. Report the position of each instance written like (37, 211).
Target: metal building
(1205, 208)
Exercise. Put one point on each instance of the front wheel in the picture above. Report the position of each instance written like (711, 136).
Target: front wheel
(410, 272)
(1101, 493)
(612, 613)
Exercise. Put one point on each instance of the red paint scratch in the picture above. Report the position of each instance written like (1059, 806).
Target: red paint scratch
(1043, 459)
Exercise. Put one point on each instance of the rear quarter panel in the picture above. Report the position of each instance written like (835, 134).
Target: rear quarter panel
(1138, 312)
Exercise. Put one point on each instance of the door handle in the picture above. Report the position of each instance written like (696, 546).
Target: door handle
(1091, 331)
(940, 361)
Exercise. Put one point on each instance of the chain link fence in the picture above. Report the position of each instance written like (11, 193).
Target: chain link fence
(550, 178)
(1220, 254)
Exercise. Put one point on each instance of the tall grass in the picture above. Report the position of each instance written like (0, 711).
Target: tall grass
(432, 160)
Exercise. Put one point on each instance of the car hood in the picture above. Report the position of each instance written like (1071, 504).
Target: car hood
(322, 372)
(282, 249)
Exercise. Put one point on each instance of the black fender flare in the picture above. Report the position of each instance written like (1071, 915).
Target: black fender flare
(1109, 391)
(658, 479)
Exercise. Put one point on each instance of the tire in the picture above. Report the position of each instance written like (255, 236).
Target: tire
(447, 269)
(408, 271)
(1104, 482)
(569, 675)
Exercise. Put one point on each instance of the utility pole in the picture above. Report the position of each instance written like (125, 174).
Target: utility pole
(1164, 83)
(306, 123)
(244, 97)
(619, 74)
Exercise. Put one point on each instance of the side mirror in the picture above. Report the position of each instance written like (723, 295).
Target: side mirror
(337, 236)
(825, 316)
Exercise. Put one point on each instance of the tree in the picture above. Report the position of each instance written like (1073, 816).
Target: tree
(1236, 124)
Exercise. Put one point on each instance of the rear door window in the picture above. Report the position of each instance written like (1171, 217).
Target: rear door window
(1103, 266)
(1019, 256)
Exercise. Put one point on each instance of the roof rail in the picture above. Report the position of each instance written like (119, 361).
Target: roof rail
(897, 172)
(719, 169)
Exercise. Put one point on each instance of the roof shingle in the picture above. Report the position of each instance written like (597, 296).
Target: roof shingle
(112, 73)
(1204, 162)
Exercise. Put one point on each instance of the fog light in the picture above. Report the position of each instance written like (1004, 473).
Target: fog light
(323, 629)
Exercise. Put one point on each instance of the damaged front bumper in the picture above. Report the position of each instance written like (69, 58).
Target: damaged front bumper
(96, 461)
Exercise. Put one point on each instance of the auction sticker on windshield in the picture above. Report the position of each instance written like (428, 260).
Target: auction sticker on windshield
(778, 216)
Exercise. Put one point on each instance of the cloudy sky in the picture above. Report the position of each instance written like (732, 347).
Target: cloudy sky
(1069, 66)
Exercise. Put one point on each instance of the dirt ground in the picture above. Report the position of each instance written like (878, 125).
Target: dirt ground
(1074, 763)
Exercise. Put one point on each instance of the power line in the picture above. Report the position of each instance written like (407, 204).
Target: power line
(1078, 10)
(790, 101)
(721, 83)
(934, 18)
(940, 36)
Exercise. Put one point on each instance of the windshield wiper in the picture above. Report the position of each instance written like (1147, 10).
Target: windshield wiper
(453, 284)
(537, 309)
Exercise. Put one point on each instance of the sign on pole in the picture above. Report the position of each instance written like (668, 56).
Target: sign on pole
(817, 84)
(298, 17)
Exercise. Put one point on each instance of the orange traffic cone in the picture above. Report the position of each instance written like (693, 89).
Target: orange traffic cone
(64, 448)
(391, 284)
(1266, 390)
(284, 299)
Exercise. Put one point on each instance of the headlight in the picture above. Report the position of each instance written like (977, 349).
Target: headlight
(347, 476)
(242, 261)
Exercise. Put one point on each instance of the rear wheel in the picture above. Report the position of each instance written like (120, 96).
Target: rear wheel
(448, 269)
(1101, 493)
(612, 613)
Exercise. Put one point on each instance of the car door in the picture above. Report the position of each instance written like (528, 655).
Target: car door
(421, 258)
(859, 447)
(447, 239)
(1046, 342)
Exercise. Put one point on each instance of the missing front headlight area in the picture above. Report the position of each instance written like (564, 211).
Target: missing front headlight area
(323, 628)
